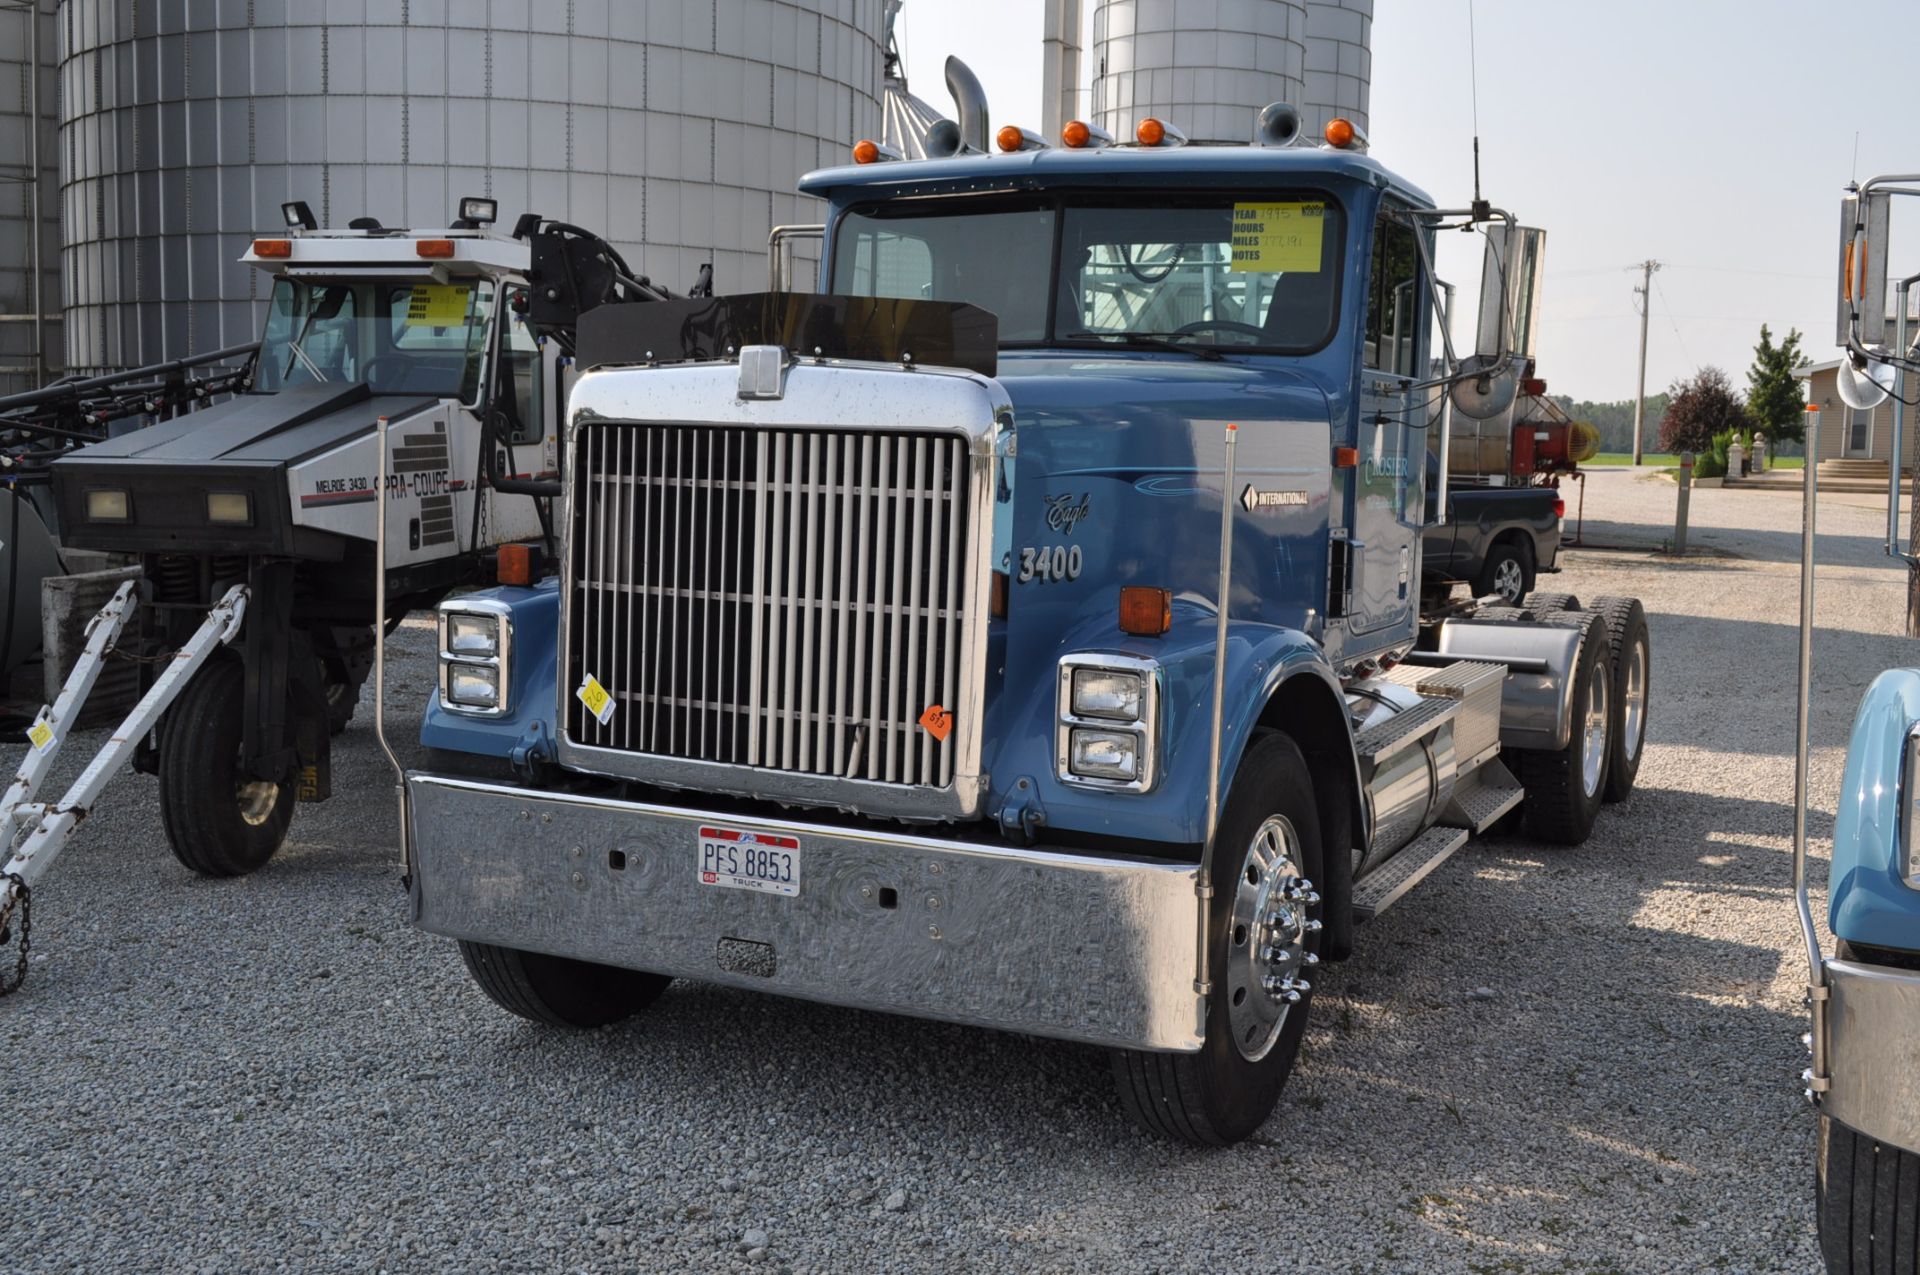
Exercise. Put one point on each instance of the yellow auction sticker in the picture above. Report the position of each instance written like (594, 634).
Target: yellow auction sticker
(41, 734)
(1272, 238)
(597, 698)
(435, 305)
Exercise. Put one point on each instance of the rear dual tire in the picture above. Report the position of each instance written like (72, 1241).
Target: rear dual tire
(1630, 655)
(1565, 786)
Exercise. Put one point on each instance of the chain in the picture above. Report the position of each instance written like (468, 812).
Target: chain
(22, 900)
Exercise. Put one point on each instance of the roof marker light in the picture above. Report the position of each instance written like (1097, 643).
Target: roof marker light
(1156, 132)
(437, 249)
(1080, 135)
(867, 151)
(1344, 134)
(273, 247)
(1012, 137)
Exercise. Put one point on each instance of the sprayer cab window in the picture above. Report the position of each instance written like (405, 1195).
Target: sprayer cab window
(425, 339)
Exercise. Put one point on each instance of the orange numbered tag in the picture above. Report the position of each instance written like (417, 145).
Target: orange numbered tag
(937, 722)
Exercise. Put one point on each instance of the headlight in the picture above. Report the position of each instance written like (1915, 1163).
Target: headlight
(473, 686)
(1114, 693)
(1108, 721)
(470, 634)
(1104, 754)
(109, 504)
(230, 508)
(476, 646)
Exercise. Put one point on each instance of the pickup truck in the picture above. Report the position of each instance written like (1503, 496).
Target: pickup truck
(1495, 539)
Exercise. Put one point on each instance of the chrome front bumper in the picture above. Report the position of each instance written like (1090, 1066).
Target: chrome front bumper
(1873, 1051)
(1030, 940)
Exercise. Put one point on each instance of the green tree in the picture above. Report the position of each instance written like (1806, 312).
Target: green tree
(1702, 406)
(1773, 396)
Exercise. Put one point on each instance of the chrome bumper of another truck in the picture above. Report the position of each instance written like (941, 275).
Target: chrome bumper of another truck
(1045, 942)
(1873, 1051)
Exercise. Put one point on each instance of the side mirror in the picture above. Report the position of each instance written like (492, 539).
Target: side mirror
(1509, 321)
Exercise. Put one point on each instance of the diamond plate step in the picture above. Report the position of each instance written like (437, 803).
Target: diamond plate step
(1378, 741)
(1481, 798)
(1382, 888)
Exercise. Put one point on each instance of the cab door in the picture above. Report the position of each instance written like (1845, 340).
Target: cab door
(1389, 482)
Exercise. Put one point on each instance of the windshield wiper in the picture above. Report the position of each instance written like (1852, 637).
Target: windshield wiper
(312, 367)
(1204, 352)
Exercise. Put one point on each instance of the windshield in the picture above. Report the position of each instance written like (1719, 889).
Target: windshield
(400, 338)
(1228, 270)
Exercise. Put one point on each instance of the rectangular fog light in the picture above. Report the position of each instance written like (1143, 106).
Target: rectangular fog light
(470, 634)
(1114, 693)
(1104, 754)
(230, 508)
(109, 504)
(473, 685)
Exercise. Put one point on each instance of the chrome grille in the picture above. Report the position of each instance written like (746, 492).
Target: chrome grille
(786, 599)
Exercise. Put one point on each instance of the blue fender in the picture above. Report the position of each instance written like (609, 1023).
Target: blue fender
(524, 735)
(1260, 659)
(1871, 898)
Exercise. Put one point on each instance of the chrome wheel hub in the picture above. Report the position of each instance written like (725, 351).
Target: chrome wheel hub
(1267, 952)
(1509, 581)
(257, 800)
(1633, 716)
(1593, 735)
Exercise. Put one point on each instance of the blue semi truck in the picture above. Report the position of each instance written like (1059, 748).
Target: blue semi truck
(1024, 630)
(1864, 1077)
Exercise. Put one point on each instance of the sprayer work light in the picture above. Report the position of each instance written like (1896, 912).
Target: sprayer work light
(482, 212)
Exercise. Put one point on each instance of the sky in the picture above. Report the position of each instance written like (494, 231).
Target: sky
(1714, 136)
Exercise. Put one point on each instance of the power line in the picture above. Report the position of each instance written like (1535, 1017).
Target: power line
(1675, 325)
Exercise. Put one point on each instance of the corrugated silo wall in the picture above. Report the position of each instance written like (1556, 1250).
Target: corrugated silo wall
(1205, 66)
(1339, 63)
(17, 87)
(1210, 65)
(675, 127)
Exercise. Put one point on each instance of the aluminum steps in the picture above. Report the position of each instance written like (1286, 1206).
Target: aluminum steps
(1483, 797)
(1388, 736)
(1383, 887)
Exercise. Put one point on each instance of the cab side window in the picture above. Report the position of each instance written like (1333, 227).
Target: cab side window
(1393, 298)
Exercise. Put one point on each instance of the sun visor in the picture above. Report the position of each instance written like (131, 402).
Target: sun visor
(870, 329)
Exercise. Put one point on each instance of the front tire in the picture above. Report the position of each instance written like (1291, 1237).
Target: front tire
(1564, 787)
(1264, 937)
(558, 990)
(1867, 1203)
(220, 821)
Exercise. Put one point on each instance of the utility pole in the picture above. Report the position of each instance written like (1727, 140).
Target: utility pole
(1640, 400)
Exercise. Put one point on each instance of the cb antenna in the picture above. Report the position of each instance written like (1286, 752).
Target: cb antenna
(1482, 211)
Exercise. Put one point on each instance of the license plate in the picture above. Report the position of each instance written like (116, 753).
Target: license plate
(743, 860)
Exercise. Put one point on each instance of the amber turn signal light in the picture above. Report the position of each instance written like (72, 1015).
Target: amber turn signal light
(1145, 611)
(1346, 457)
(517, 564)
(273, 247)
(438, 249)
(1151, 132)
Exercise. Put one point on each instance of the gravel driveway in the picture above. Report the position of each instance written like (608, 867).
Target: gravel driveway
(1543, 1060)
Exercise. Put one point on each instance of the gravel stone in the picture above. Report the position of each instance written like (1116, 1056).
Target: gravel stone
(186, 1094)
(896, 1202)
(754, 1239)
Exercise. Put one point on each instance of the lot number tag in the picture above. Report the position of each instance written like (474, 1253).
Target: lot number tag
(597, 698)
(41, 734)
